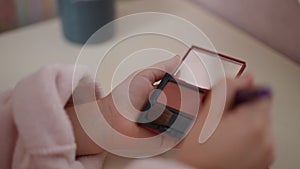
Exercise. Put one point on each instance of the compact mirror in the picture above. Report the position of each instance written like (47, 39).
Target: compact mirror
(172, 107)
(203, 68)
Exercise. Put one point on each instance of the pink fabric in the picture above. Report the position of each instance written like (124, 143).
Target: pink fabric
(35, 130)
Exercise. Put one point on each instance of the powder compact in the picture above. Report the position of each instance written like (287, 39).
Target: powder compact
(173, 106)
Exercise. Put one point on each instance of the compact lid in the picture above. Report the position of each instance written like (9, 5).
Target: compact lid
(204, 68)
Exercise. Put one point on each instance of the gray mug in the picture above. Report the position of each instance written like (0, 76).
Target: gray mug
(81, 18)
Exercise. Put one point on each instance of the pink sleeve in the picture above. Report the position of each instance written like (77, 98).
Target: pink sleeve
(8, 130)
(35, 130)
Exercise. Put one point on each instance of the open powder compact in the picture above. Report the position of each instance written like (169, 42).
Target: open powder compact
(172, 107)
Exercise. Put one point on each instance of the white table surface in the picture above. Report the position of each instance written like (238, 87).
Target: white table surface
(24, 50)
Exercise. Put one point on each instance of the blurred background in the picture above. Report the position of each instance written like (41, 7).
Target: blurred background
(16, 13)
(274, 22)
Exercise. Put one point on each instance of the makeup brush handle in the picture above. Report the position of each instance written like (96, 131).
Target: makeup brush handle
(248, 95)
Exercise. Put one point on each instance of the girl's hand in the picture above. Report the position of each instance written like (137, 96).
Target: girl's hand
(243, 139)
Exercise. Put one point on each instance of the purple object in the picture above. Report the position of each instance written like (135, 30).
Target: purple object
(248, 95)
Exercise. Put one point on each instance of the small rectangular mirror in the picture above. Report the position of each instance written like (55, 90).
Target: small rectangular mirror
(204, 68)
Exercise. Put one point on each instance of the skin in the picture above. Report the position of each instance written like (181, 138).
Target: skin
(140, 86)
(243, 138)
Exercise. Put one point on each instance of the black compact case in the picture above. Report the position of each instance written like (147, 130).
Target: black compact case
(174, 104)
(168, 117)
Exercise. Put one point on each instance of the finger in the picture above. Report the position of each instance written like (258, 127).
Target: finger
(256, 116)
(232, 86)
(258, 111)
(245, 82)
(220, 98)
(169, 65)
(255, 119)
(157, 71)
(229, 87)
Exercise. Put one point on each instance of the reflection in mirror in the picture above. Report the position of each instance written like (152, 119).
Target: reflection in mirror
(204, 69)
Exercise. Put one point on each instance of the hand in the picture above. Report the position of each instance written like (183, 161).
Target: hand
(126, 100)
(242, 140)
(123, 105)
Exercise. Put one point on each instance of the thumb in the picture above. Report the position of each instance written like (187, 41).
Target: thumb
(169, 65)
(158, 70)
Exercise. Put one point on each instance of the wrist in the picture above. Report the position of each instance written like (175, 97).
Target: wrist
(120, 123)
(108, 110)
(84, 144)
